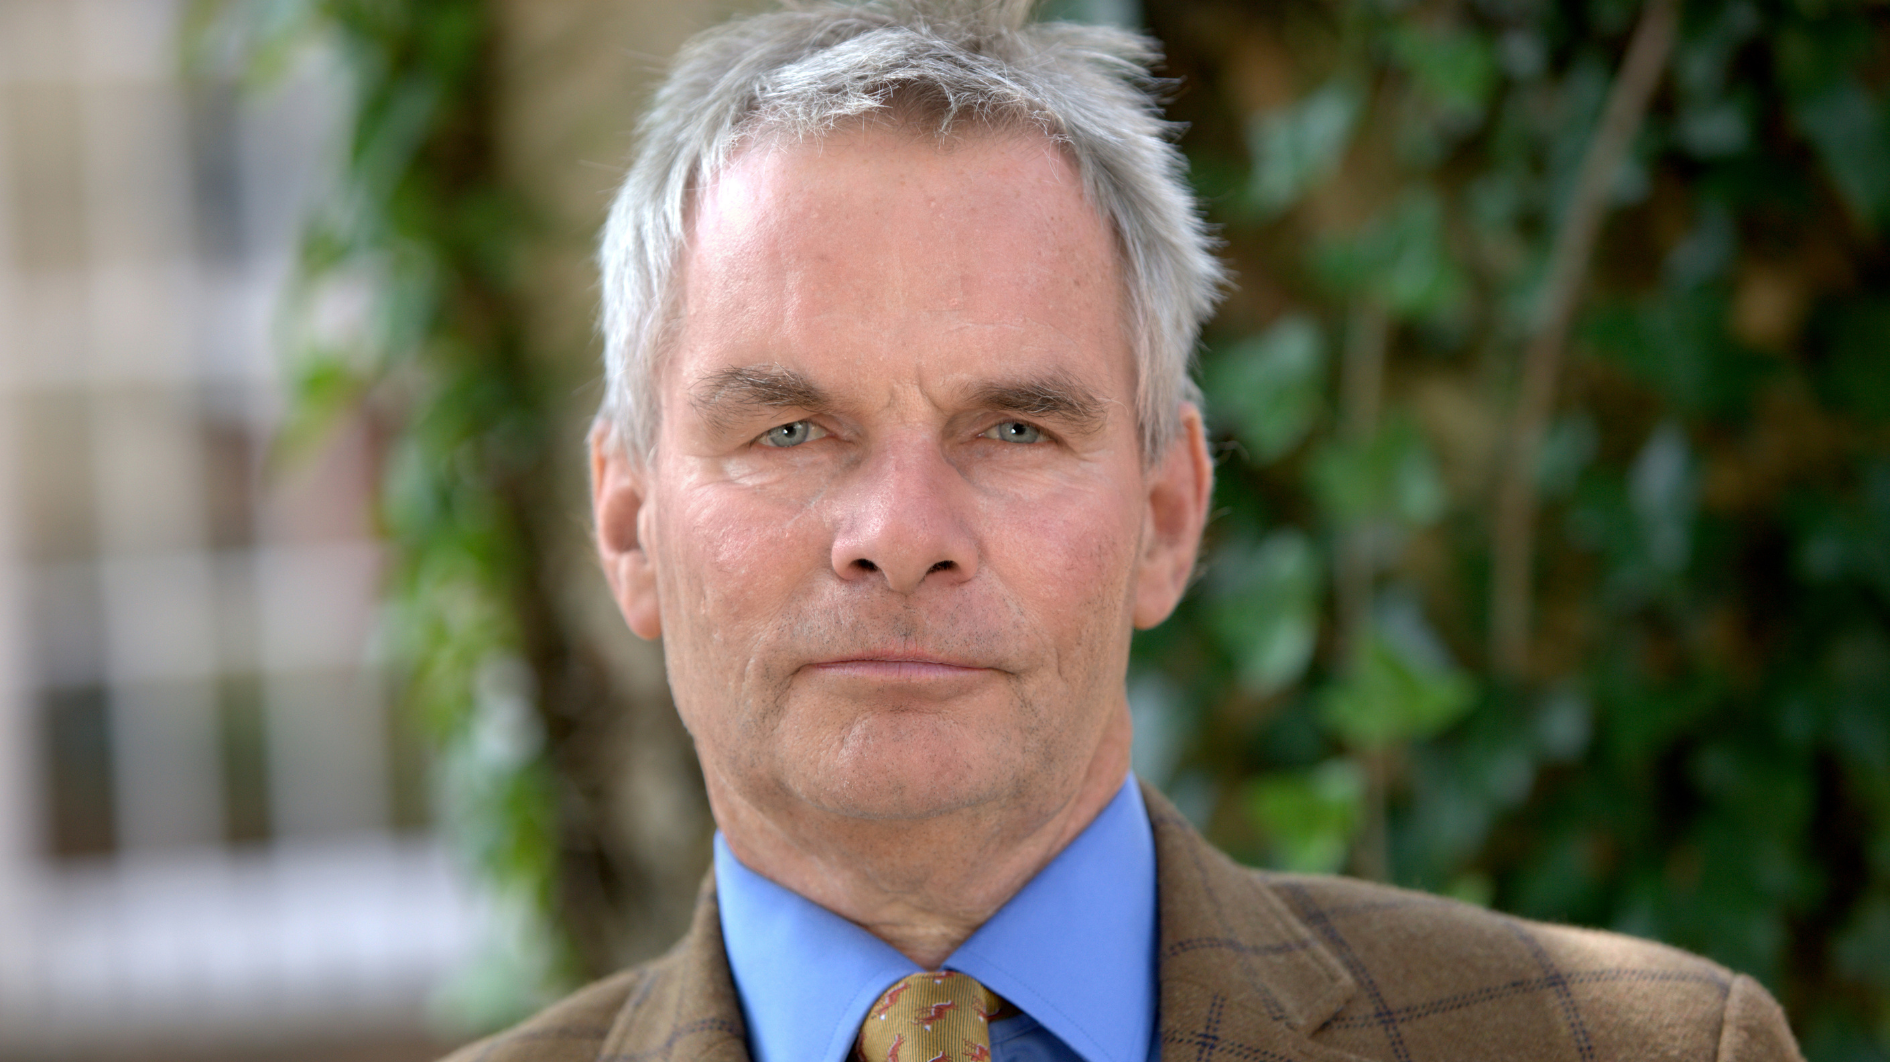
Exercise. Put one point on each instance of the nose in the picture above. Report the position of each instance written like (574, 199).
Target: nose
(905, 518)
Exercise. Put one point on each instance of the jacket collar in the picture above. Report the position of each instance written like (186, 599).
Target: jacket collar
(1238, 969)
(686, 1008)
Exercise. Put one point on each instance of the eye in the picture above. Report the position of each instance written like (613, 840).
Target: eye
(1014, 431)
(785, 435)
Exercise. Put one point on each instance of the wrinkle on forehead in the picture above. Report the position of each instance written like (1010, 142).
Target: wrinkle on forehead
(901, 125)
(975, 276)
(745, 206)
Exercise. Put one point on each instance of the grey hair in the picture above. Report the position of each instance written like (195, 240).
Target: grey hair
(800, 71)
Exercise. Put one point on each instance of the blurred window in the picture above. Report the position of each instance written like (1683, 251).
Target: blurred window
(208, 817)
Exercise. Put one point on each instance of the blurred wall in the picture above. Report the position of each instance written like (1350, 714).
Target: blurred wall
(212, 831)
(215, 831)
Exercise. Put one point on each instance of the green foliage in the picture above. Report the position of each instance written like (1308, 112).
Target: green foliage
(1265, 608)
(1388, 697)
(1676, 344)
(403, 314)
(1700, 750)
(1390, 476)
(1399, 260)
(1296, 147)
(1453, 68)
(1271, 388)
(1310, 814)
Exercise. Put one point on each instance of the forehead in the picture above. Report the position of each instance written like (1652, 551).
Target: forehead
(878, 249)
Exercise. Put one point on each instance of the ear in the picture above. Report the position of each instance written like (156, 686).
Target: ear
(618, 494)
(1180, 487)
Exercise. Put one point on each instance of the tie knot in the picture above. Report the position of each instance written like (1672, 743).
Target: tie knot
(930, 1017)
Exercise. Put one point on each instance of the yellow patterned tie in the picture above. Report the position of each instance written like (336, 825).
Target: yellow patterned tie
(931, 1017)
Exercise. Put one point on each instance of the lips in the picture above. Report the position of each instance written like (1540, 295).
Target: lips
(897, 667)
(899, 657)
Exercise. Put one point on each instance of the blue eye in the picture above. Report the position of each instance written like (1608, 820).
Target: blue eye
(785, 435)
(1014, 431)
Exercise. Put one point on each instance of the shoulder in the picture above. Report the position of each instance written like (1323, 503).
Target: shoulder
(1307, 966)
(1438, 972)
(574, 1028)
(1389, 927)
(679, 1006)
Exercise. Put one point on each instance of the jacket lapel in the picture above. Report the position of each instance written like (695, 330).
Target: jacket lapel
(1241, 976)
(686, 1009)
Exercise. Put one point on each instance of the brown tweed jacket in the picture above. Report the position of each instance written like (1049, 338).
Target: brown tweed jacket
(1260, 967)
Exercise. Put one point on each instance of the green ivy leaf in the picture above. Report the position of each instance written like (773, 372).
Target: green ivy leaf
(1393, 476)
(1850, 127)
(1271, 387)
(1718, 129)
(1402, 260)
(1567, 448)
(1704, 54)
(1387, 697)
(1266, 608)
(1455, 66)
(1297, 146)
(324, 387)
(1678, 344)
(1853, 376)
(1664, 490)
(1311, 816)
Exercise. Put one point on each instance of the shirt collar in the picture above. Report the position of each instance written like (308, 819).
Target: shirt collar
(1074, 949)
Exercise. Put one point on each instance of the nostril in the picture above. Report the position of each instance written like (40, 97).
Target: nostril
(942, 566)
(866, 565)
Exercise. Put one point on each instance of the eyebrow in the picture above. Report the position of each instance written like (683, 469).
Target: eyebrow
(724, 397)
(1055, 397)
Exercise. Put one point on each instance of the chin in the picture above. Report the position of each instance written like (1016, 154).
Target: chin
(911, 769)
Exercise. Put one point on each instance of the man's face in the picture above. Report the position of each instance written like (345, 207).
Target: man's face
(896, 528)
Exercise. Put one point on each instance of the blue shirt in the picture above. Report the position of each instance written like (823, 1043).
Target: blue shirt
(1074, 950)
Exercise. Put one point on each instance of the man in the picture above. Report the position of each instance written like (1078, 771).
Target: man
(900, 448)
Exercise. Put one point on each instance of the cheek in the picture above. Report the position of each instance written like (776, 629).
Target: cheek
(729, 556)
(728, 570)
(1071, 552)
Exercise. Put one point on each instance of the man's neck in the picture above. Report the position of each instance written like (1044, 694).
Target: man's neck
(923, 886)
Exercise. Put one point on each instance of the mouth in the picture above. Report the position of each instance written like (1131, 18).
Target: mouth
(897, 667)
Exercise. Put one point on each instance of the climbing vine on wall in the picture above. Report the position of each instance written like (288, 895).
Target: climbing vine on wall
(406, 312)
(1551, 565)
